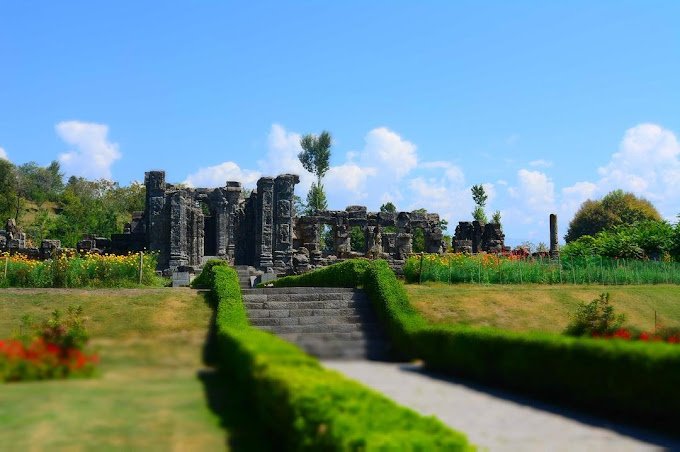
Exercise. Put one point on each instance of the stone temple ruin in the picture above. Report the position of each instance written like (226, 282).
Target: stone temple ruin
(188, 226)
(259, 228)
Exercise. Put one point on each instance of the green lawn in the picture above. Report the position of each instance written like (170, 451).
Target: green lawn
(540, 307)
(151, 394)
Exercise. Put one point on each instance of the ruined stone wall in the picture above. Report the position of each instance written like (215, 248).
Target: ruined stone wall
(386, 235)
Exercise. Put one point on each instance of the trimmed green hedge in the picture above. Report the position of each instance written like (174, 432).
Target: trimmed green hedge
(349, 273)
(634, 379)
(300, 404)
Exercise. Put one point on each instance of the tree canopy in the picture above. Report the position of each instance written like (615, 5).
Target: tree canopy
(315, 158)
(617, 208)
(479, 196)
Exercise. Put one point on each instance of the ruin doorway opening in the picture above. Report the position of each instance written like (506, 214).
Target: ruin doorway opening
(210, 232)
(357, 239)
(418, 240)
(326, 239)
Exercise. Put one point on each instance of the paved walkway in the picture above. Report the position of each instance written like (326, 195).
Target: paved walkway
(497, 420)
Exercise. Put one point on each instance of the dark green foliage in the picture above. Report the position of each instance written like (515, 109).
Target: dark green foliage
(595, 317)
(9, 196)
(349, 273)
(40, 184)
(479, 196)
(357, 239)
(204, 279)
(315, 158)
(615, 209)
(316, 199)
(631, 379)
(646, 239)
(388, 207)
(300, 405)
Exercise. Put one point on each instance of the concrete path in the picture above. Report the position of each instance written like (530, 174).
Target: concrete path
(498, 420)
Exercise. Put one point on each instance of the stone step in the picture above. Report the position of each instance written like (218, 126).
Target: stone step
(300, 290)
(308, 320)
(342, 351)
(342, 328)
(310, 308)
(329, 336)
(307, 308)
(305, 297)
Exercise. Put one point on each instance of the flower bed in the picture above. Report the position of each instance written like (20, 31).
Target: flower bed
(40, 360)
(54, 349)
(89, 270)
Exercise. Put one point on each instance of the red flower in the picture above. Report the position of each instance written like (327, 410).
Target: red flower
(622, 333)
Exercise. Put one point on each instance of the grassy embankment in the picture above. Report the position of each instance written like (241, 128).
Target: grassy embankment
(540, 307)
(149, 394)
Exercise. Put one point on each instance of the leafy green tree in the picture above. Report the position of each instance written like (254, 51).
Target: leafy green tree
(479, 197)
(615, 209)
(315, 158)
(357, 239)
(496, 218)
(388, 207)
(39, 184)
(8, 191)
(316, 199)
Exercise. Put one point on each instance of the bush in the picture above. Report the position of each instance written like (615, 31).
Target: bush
(204, 279)
(300, 404)
(53, 349)
(349, 273)
(595, 318)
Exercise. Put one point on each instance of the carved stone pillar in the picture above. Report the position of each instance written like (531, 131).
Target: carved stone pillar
(284, 190)
(155, 215)
(233, 195)
(264, 226)
(221, 224)
(554, 243)
(178, 230)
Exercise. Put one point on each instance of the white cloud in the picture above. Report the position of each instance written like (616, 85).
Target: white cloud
(218, 175)
(540, 163)
(3, 154)
(351, 177)
(647, 163)
(536, 191)
(390, 150)
(93, 154)
(452, 172)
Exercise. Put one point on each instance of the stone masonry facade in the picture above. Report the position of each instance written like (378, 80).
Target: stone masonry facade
(259, 228)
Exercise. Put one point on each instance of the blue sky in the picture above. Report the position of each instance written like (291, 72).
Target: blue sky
(546, 103)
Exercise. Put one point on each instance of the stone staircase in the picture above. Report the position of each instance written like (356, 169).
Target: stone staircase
(245, 273)
(330, 323)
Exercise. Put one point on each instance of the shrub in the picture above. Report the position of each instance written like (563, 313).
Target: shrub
(349, 273)
(300, 404)
(595, 318)
(55, 349)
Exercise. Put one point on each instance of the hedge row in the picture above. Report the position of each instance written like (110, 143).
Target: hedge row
(300, 404)
(634, 379)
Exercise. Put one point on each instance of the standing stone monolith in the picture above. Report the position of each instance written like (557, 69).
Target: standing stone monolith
(554, 246)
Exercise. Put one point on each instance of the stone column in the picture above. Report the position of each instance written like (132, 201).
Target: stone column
(554, 244)
(156, 217)
(221, 225)
(284, 189)
(264, 227)
(233, 195)
(178, 230)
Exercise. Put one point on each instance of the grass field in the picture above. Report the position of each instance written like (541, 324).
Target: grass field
(540, 307)
(151, 394)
